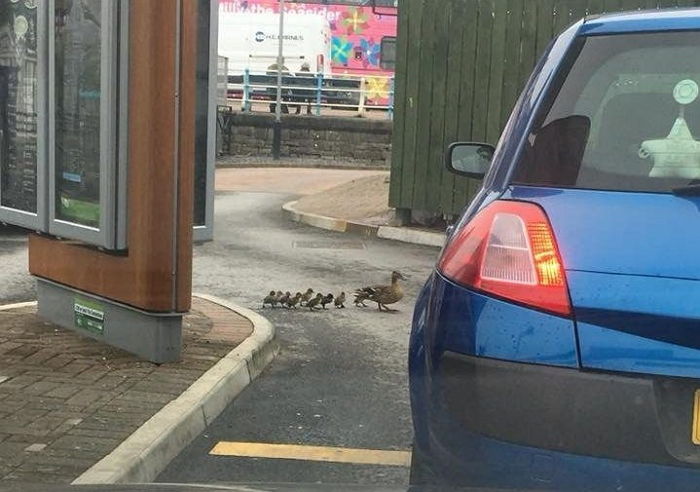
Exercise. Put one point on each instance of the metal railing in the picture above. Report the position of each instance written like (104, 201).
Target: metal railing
(315, 91)
(221, 81)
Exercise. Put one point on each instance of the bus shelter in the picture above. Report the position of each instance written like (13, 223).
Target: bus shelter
(107, 148)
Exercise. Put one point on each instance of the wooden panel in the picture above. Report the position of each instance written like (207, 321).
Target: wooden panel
(560, 10)
(528, 52)
(482, 77)
(577, 10)
(145, 277)
(612, 6)
(433, 178)
(631, 5)
(454, 84)
(465, 106)
(424, 103)
(511, 61)
(497, 72)
(596, 7)
(545, 23)
(400, 90)
(410, 77)
(483, 68)
(186, 149)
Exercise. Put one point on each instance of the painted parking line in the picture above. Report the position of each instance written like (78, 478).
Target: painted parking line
(313, 453)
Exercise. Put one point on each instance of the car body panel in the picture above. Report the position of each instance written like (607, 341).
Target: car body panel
(633, 273)
(487, 463)
(630, 22)
(632, 267)
(461, 455)
(500, 330)
(608, 349)
(622, 233)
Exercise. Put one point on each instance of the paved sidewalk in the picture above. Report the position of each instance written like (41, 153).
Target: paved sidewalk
(67, 401)
(292, 181)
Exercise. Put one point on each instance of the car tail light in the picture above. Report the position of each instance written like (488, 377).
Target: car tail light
(509, 250)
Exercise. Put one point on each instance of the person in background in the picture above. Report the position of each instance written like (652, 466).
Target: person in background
(305, 95)
(272, 91)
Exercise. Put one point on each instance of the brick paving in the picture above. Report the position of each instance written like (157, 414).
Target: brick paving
(67, 401)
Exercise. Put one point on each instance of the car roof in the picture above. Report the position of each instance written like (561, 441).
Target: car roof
(642, 21)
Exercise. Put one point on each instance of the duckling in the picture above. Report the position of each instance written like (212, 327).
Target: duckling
(326, 300)
(271, 299)
(279, 296)
(360, 298)
(306, 297)
(285, 299)
(313, 303)
(292, 302)
(383, 294)
(340, 301)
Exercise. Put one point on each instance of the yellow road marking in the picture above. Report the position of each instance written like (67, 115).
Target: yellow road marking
(695, 435)
(313, 453)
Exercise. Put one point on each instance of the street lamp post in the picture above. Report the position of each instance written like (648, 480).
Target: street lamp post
(277, 126)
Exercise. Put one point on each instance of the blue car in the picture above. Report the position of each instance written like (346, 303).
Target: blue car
(557, 344)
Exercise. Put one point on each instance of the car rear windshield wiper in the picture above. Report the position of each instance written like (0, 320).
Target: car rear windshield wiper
(689, 190)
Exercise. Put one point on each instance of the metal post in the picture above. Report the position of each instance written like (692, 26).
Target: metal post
(246, 91)
(277, 127)
(363, 97)
(391, 98)
(319, 87)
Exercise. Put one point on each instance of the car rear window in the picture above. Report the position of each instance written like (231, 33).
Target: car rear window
(625, 116)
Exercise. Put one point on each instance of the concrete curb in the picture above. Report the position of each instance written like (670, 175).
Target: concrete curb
(147, 452)
(412, 236)
(18, 305)
(402, 234)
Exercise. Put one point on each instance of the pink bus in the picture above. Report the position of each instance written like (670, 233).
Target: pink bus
(364, 33)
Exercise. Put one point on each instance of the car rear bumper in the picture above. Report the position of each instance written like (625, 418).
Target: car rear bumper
(501, 424)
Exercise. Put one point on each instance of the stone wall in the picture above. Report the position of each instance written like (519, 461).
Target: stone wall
(343, 141)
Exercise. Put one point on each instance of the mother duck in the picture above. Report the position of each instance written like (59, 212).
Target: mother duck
(383, 295)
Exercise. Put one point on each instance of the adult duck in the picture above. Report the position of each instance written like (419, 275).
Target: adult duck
(383, 295)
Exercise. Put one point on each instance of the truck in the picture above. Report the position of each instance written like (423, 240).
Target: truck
(362, 42)
(250, 41)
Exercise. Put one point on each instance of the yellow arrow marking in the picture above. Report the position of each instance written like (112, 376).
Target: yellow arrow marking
(313, 453)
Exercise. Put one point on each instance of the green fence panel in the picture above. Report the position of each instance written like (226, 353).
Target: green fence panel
(456, 13)
(465, 104)
(408, 118)
(400, 106)
(436, 140)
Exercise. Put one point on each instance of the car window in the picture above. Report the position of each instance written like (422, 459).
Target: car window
(626, 117)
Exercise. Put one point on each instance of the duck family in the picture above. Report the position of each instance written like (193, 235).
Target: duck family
(383, 295)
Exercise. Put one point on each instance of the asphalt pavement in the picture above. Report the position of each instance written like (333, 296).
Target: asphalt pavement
(340, 378)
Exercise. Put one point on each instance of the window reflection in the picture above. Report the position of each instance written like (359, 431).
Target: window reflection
(18, 104)
(77, 85)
